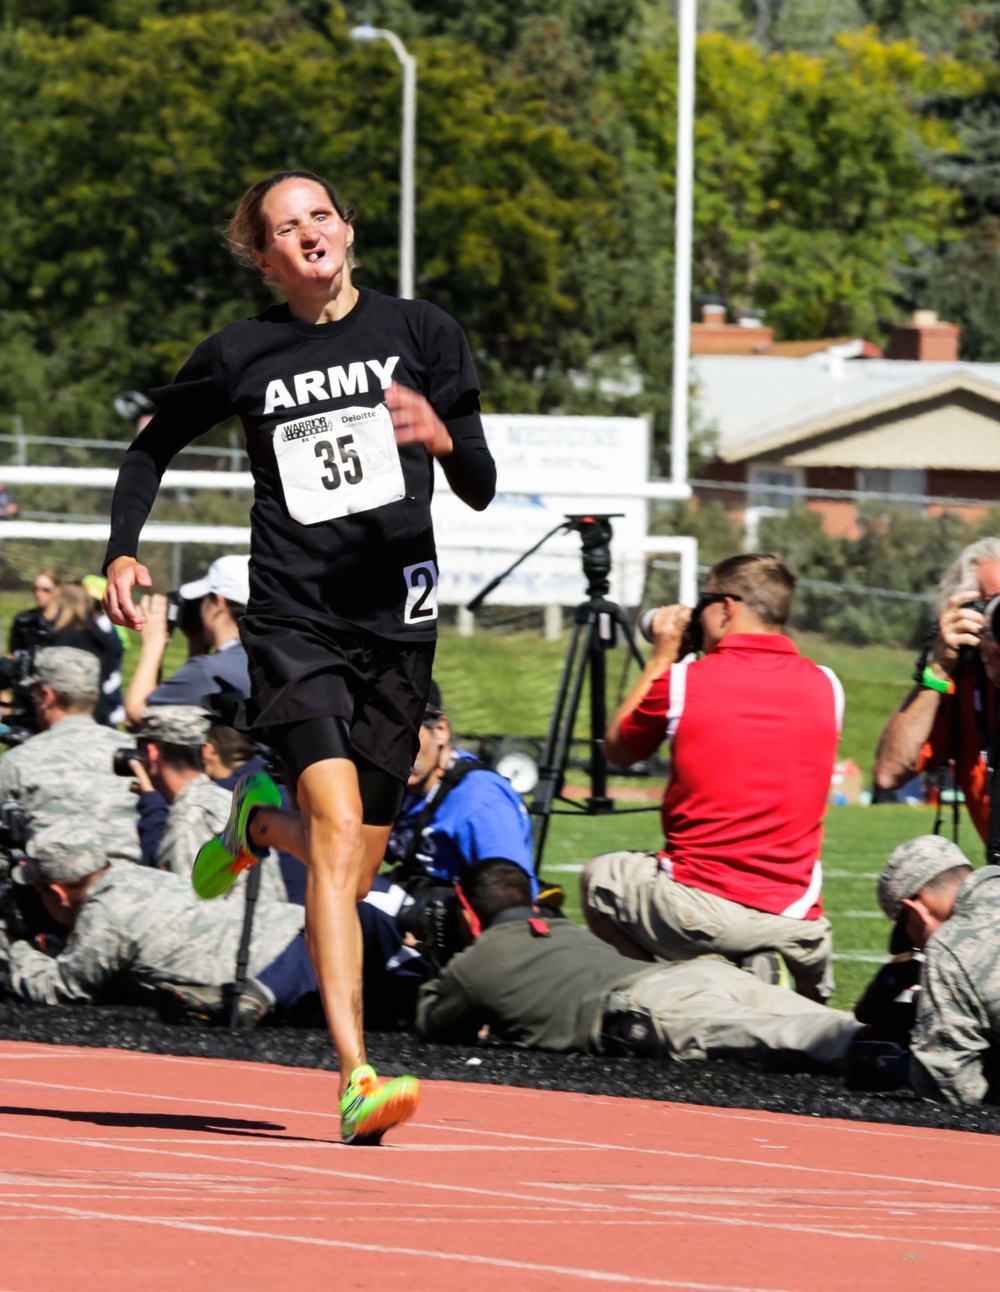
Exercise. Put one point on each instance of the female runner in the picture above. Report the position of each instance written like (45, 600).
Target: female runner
(346, 397)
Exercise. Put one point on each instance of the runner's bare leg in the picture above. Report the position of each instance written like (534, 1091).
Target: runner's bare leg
(341, 862)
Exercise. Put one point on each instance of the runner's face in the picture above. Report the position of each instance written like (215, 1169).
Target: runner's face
(306, 241)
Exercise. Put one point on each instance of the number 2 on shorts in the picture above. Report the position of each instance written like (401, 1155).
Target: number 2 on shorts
(421, 593)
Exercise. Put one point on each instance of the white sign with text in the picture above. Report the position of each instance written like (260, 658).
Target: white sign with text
(539, 456)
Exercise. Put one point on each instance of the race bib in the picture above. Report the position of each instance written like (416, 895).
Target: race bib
(337, 464)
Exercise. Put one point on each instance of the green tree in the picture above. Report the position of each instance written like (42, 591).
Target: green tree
(959, 274)
(124, 151)
(808, 182)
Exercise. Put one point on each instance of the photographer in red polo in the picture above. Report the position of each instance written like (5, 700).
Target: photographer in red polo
(753, 729)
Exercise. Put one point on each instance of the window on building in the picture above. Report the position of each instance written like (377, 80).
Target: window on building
(910, 484)
(771, 486)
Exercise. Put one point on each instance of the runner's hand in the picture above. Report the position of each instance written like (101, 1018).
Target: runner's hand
(415, 422)
(124, 574)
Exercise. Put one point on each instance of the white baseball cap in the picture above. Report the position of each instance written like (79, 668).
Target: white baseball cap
(228, 577)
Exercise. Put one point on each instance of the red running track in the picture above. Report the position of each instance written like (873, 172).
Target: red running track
(124, 1170)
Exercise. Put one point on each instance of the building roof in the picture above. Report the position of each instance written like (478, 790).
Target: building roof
(766, 404)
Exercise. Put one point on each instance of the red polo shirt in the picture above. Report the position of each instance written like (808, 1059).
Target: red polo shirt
(754, 730)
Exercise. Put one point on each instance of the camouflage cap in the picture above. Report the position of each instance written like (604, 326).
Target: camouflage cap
(65, 851)
(175, 724)
(66, 669)
(910, 868)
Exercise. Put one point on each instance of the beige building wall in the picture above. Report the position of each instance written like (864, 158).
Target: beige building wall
(959, 433)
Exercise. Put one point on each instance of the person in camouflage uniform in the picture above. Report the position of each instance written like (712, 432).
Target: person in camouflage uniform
(170, 739)
(134, 930)
(937, 902)
(66, 769)
(129, 925)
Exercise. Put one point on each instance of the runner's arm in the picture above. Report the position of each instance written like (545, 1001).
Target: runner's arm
(191, 405)
(469, 468)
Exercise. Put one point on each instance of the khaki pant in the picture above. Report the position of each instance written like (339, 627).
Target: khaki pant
(675, 922)
(705, 1009)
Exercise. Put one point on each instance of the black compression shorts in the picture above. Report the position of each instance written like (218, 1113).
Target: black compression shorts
(304, 743)
(301, 670)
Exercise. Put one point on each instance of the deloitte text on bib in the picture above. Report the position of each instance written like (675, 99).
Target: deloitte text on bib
(337, 464)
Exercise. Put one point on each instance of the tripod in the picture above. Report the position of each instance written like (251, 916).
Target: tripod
(596, 624)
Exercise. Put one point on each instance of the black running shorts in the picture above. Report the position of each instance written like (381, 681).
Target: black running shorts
(301, 669)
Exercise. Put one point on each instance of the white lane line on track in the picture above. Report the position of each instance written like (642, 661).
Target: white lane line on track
(397, 1181)
(509, 1136)
(383, 1249)
(800, 1230)
(785, 1121)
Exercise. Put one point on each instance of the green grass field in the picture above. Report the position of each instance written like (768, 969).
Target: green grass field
(501, 683)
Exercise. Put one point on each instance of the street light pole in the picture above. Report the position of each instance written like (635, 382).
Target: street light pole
(683, 221)
(407, 156)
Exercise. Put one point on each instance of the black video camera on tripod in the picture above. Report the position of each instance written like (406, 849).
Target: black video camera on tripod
(596, 625)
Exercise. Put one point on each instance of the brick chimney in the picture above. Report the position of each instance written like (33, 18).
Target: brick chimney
(924, 338)
(713, 335)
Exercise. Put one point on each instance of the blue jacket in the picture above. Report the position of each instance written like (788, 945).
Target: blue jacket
(483, 816)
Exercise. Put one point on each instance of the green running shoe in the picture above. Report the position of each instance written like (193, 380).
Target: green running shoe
(220, 861)
(371, 1105)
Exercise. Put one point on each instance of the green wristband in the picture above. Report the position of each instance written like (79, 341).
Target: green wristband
(930, 679)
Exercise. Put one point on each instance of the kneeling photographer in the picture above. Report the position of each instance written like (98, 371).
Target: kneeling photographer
(950, 714)
(753, 728)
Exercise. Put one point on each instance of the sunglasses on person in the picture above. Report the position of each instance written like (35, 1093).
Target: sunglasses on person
(44, 587)
(712, 599)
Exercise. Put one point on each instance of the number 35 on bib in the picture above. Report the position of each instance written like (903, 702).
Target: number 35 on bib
(338, 464)
(421, 593)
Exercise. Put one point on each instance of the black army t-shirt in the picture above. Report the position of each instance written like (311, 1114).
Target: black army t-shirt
(341, 523)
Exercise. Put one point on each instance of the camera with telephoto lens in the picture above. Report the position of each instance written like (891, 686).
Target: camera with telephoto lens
(989, 608)
(23, 916)
(16, 675)
(693, 637)
(122, 760)
(182, 614)
(433, 920)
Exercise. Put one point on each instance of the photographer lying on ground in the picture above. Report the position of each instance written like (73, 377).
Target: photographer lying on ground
(133, 930)
(938, 903)
(950, 714)
(454, 812)
(209, 610)
(753, 729)
(66, 769)
(554, 986)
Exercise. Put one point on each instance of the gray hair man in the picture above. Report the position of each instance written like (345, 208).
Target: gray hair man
(959, 670)
(171, 737)
(939, 904)
(66, 769)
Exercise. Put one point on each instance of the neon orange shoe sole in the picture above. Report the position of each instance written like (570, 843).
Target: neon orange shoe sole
(371, 1106)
